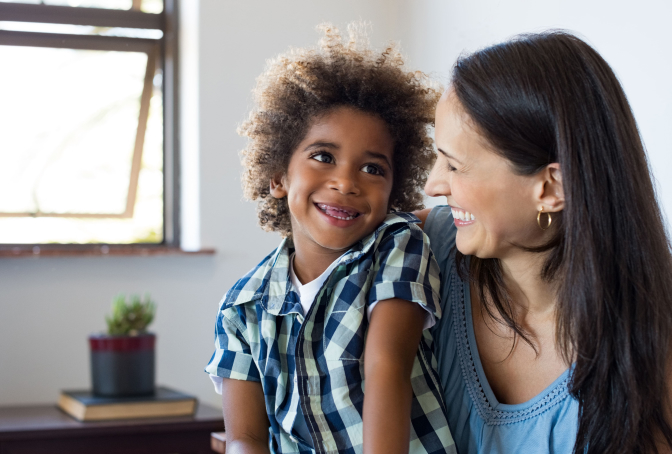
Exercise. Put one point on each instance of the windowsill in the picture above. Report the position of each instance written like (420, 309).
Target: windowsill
(94, 250)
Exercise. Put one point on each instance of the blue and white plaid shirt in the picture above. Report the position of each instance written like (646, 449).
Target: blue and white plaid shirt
(261, 335)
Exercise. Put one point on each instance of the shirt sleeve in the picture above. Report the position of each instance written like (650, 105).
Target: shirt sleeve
(217, 383)
(405, 268)
(233, 356)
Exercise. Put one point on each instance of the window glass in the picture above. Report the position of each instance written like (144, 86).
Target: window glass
(40, 27)
(68, 131)
(152, 6)
(109, 4)
(147, 6)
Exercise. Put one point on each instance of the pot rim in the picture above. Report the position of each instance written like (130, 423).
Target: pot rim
(122, 336)
(106, 343)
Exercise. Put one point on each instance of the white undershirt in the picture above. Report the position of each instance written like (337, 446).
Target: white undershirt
(307, 293)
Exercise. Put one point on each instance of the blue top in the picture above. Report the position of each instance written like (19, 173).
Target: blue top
(478, 421)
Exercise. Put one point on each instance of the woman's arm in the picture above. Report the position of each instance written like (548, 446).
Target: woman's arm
(422, 215)
(392, 342)
(245, 418)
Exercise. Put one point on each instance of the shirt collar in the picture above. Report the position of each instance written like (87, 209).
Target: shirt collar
(270, 283)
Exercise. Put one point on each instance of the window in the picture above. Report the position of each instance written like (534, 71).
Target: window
(87, 121)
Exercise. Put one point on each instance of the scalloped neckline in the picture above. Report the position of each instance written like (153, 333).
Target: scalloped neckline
(489, 408)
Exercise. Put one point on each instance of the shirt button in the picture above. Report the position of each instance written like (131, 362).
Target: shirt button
(296, 380)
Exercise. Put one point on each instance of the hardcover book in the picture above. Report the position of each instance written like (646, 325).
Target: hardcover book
(85, 406)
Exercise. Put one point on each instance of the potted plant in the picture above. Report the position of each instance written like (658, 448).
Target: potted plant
(122, 360)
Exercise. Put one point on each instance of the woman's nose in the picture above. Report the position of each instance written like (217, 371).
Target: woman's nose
(437, 183)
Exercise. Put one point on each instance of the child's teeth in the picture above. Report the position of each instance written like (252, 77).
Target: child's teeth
(473, 218)
(336, 212)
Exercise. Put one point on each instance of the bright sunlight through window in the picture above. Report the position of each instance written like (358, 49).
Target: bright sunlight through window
(81, 133)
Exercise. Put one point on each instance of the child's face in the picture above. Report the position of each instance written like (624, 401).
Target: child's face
(339, 180)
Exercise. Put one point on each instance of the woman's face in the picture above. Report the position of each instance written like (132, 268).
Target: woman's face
(493, 207)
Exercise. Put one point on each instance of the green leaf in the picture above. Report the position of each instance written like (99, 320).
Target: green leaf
(130, 316)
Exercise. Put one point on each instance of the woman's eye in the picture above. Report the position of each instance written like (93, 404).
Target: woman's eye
(373, 169)
(323, 157)
(451, 168)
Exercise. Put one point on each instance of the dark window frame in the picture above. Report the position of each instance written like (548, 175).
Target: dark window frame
(167, 21)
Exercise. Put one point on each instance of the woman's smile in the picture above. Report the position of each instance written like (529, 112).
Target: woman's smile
(473, 177)
(462, 218)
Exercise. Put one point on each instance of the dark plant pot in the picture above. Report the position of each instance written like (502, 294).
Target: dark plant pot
(122, 365)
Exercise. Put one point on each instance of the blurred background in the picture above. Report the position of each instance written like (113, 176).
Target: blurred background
(89, 168)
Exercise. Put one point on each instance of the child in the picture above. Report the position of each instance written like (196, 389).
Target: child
(338, 143)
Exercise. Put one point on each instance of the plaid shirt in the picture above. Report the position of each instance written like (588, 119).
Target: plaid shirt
(261, 335)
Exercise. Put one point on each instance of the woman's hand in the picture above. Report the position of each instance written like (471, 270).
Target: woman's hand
(392, 342)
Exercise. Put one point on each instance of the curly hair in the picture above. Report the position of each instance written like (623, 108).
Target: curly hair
(301, 85)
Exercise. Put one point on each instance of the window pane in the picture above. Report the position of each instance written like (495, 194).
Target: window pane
(152, 6)
(147, 6)
(41, 27)
(68, 126)
(110, 4)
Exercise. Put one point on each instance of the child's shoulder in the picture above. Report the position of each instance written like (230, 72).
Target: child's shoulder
(399, 227)
(250, 287)
(400, 239)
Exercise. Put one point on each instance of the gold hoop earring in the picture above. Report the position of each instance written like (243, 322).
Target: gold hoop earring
(550, 219)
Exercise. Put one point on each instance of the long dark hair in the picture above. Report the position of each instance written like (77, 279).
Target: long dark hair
(547, 98)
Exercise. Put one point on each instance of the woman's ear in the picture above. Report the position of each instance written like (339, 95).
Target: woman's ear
(279, 186)
(550, 194)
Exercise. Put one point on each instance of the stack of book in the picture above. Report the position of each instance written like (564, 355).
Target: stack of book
(85, 406)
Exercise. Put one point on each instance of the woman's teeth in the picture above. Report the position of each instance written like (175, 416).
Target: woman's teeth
(462, 215)
(337, 213)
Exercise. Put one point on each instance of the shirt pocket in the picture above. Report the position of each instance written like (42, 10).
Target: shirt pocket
(346, 322)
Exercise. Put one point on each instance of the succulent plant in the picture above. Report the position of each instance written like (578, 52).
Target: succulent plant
(130, 317)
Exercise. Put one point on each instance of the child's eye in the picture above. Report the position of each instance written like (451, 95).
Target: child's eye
(323, 157)
(373, 169)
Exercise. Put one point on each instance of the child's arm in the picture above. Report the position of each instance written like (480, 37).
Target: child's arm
(392, 342)
(245, 417)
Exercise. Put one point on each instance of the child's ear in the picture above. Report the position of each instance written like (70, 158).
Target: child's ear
(278, 186)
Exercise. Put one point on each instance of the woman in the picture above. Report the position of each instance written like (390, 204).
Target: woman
(557, 290)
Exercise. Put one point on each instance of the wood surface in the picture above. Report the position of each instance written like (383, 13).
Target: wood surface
(218, 442)
(45, 429)
(100, 250)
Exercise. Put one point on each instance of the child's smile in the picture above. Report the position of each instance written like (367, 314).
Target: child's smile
(338, 184)
(338, 212)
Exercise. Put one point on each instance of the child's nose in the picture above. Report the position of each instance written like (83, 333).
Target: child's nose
(344, 182)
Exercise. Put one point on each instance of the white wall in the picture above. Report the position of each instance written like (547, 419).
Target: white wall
(49, 305)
